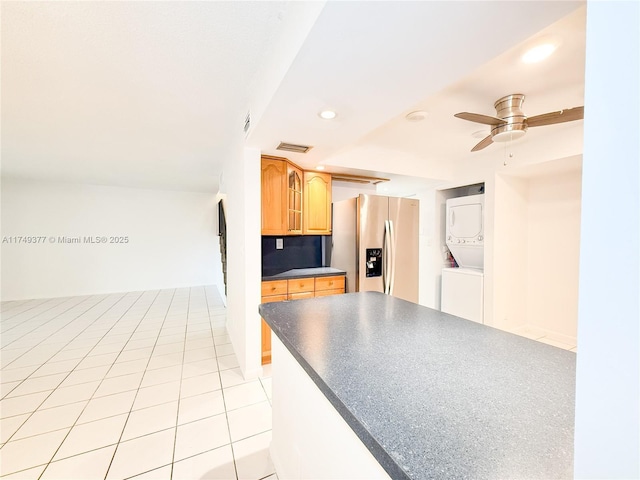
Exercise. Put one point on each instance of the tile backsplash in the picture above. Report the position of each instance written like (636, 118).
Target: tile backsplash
(298, 252)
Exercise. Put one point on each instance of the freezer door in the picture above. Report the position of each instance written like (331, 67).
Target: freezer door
(344, 247)
(373, 213)
(404, 216)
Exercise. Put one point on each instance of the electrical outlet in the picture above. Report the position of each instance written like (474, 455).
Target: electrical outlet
(279, 243)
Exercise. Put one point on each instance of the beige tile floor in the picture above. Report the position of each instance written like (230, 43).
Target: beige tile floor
(140, 385)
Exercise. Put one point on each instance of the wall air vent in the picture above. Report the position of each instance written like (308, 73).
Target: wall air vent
(291, 147)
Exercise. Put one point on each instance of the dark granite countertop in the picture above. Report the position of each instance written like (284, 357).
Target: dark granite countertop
(305, 273)
(431, 395)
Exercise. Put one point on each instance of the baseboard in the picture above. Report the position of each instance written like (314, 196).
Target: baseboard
(560, 337)
(533, 332)
(528, 331)
(277, 464)
(252, 374)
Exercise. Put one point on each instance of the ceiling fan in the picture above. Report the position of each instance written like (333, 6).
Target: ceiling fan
(510, 123)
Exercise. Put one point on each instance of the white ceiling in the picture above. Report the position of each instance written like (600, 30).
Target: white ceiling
(153, 94)
(131, 93)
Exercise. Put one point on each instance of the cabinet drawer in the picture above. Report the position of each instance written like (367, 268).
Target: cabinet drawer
(330, 283)
(301, 285)
(274, 298)
(300, 295)
(325, 293)
(274, 287)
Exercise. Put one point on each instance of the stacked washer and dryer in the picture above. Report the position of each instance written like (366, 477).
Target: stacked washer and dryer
(463, 287)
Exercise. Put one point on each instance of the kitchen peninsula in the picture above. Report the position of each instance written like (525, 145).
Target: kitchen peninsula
(295, 284)
(370, 386)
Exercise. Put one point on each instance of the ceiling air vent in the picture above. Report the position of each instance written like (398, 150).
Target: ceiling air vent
(291, 147)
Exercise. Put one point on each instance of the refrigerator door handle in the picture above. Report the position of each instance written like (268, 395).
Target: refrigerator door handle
(392, 256)
(386, 246)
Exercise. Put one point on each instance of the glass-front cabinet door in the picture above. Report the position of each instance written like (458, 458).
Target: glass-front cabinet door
(295, 200)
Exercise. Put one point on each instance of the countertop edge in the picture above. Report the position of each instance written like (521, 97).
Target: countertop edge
(286, 276)
(380, 454)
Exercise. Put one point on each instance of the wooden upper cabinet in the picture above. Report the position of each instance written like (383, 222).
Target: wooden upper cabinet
(294, 202)
(294, 199)
(274, 196)
(317, 203)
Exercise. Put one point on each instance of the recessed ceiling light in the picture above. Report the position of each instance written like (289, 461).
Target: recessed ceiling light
(539, 52)
(327, 114)
(320, 167)
(416, 116)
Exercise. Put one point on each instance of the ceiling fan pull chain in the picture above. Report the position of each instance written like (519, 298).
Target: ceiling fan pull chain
(510, 155)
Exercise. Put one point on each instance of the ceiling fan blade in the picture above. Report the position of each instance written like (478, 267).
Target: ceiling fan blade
(479, 118)
(566, 115)
(485, 142)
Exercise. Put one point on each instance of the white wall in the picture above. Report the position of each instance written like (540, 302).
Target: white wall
(240, 185)
(510, 253)
(536, 245)
(345, 190)
(607, 434)
(553, 216)
(430, 252)
(172, 239)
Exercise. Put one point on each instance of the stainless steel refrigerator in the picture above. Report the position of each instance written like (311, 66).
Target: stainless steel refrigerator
(375, 240)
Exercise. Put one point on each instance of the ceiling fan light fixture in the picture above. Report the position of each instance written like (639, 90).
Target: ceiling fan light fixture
(508, 136)
(540, 52)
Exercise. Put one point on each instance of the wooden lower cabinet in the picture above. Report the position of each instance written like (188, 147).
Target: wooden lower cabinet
(300, 295)
(301, 285)
(326, 293)
(274, 287)
(295, 289)
(266, 331)
(329, 283)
